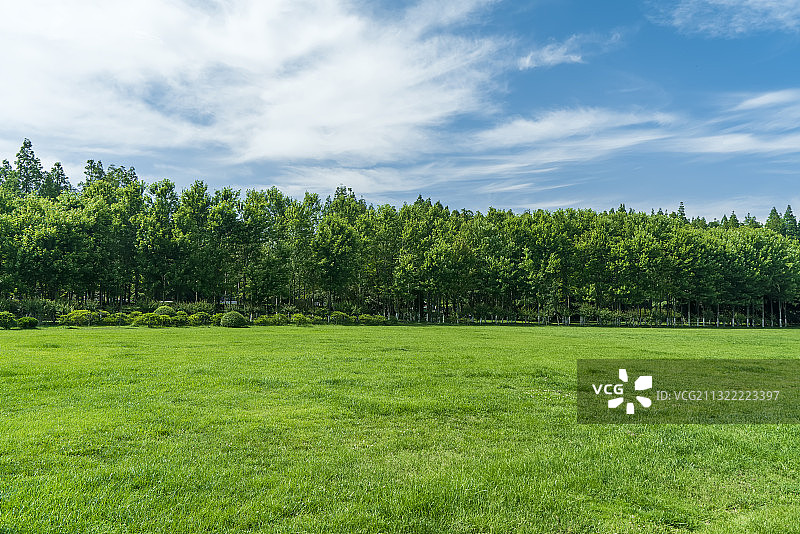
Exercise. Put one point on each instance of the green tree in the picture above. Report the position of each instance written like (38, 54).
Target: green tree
(789, 223)
(775, 222)
(156, 240)
(28, 169)
(335, 248)
(8, 178)
(55, 182)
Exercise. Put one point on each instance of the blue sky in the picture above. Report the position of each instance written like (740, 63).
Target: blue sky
(517, 105)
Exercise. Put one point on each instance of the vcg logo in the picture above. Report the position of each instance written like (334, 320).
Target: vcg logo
(618, 390)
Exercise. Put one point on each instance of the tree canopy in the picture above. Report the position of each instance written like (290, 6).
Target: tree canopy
(115, 240)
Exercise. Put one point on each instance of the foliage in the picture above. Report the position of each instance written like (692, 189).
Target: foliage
(199, 319)
(120, 244)
(340, 318)
(192, 308)
(233, 319)
(43, 308)
(80, 318)
(151, 320)
(300, 320)
(7, 320)
(277, 319)
(116, 319)
(371, 320)
(165, 310)
(145, 305)
(27, 322)
(216, 319)
(179, 319)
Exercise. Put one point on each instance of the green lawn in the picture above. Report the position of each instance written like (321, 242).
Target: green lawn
(369, 429)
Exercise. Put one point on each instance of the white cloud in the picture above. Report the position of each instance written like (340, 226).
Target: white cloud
(566, 123)
(430, 14)
(572, 50)
(553, 54)
(739, 143)
(730, 18)
(765, 123)
(770, 99)
(278, 80)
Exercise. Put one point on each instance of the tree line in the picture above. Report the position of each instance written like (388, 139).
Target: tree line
(115, 240)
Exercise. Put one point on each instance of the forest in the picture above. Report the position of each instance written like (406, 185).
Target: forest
(114, 242)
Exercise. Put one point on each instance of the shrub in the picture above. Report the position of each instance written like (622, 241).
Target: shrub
(193, 308)
(145, 305)
(27, 322)
(150, 320)
(300, 320)
(7, 320)
(79, 318)
(39, 308)
(164, 310)
(272, 320)
(233, 319)
(199, 319)
(371, 320)
(116, 319)
(9, 305)
(180, 319)
(338, 317)
(216, 318)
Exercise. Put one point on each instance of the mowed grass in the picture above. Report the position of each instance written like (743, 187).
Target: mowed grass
(369, 429)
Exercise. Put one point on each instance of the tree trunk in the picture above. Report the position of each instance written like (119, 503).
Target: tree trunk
(771, 313)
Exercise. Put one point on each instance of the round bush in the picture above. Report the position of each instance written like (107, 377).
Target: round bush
(216, 318)
(199, 319)
(371, 320)
(300, 320)
(233, 319)
(79, 318)
(338, 317)
(278, 319)
(27, 322)
(150, 320)
(164, 310)
(7, 320)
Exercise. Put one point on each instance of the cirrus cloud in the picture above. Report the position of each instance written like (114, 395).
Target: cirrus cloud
(729, 18)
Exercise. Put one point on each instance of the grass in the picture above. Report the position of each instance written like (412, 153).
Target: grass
(369, 429)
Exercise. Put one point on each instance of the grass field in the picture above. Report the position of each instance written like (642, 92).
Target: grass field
(369, 429)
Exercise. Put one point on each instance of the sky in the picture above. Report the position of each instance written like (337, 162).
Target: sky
(476, 103)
